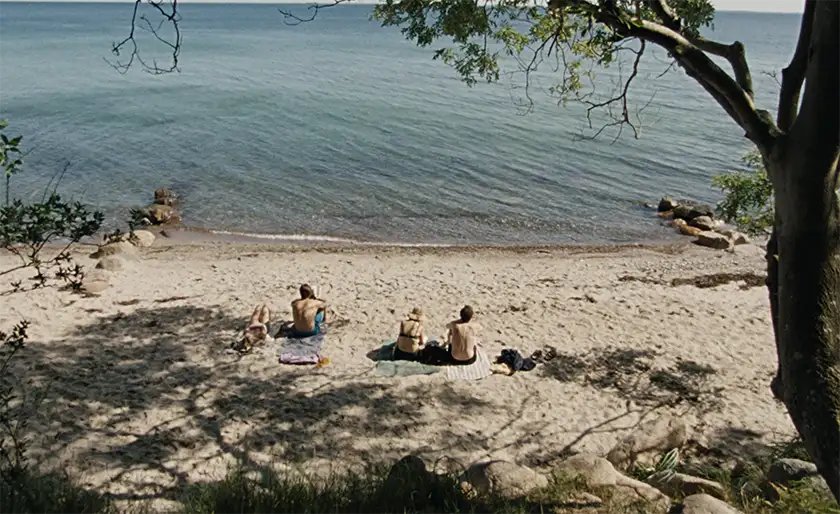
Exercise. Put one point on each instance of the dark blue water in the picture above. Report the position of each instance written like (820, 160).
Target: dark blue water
(342, 128)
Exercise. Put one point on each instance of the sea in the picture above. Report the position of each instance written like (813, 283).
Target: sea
(342, 130)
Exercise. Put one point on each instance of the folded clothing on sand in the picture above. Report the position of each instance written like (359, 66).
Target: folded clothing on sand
(514, 360)
(303, 350)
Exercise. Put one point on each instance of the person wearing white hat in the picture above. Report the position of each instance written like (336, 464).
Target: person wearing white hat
(411, 339)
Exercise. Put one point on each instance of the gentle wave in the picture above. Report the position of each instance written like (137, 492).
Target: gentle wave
(323, 239)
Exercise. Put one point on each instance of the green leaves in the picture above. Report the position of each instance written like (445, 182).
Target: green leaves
(8, 147)
(480, 31)
(748, 200)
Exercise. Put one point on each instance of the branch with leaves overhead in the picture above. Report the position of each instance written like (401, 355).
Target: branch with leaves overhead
(26, 229)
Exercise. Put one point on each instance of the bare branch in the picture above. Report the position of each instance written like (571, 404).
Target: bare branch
(292, 19)
(169, 16)
(794, 75)
(621, 99)
(735, 100)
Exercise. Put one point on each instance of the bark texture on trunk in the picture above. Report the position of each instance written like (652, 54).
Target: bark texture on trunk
(772, 282)
(803, 166)
(809, 343)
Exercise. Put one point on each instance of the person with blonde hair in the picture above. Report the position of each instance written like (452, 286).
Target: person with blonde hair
(411, 338)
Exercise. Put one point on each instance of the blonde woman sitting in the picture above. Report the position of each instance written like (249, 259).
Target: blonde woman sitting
(410, 340)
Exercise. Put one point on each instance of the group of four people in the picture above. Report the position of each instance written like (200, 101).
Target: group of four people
(309, 314)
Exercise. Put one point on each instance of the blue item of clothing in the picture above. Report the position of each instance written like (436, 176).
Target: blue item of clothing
(319, 318)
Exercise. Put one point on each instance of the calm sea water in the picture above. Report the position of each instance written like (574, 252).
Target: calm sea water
(342, 128)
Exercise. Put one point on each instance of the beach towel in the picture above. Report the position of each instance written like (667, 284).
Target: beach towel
(404, 369)
(305, 350)
(386, 366)
(475, 371)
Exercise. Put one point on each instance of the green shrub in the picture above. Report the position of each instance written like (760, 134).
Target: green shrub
(748, 196)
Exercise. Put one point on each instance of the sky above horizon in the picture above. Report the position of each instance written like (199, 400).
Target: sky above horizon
(788, 6)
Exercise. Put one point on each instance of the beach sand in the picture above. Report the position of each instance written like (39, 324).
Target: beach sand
(143, 399)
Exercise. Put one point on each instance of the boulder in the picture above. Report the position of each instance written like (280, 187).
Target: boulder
(598, 472)
(681, 485)
(685, 229)
(648, 440)
(740, 239)
(95, 281)
(682, 211)
(785, 472)
(142, 238)
(164, 196)
(701, 210)
(410, 477)
(666, 204)
(705, 504)
(703, 222)
(503, 479)
(111, 263)
(713, 240)
(160, 214)
(123, 248)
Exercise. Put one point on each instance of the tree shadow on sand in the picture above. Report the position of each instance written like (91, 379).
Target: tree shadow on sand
(144, 398)
(632, 375)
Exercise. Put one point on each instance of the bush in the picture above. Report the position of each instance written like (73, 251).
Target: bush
(25, 230)
(748, 196)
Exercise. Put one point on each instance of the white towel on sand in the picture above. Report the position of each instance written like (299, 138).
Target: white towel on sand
(475, 371)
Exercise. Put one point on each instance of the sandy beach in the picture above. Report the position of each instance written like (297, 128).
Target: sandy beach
(143, 399)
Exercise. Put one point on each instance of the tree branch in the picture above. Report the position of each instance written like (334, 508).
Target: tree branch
(292, 19)
(794, 75)
(666, 14)
(737, 102)
(173, 44)
(733, 53)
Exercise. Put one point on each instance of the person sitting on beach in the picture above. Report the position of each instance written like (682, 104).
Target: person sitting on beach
(411, 337)
(462, 338)
(461, 341)
(308, 312)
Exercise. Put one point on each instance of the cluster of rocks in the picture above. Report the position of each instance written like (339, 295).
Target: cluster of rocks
(163, 211)
(112, 258)
(698, 220)
(601, 475)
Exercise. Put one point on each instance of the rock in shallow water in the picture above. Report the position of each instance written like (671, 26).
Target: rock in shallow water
(666, 204)
(703, 222)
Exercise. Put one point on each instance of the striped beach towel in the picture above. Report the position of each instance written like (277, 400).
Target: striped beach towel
(475, 371)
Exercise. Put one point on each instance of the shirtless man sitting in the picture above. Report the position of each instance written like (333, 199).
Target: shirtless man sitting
(308, 313)
(462, 338)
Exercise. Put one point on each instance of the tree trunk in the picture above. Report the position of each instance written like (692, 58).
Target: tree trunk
(772, 282)
(808, 323)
